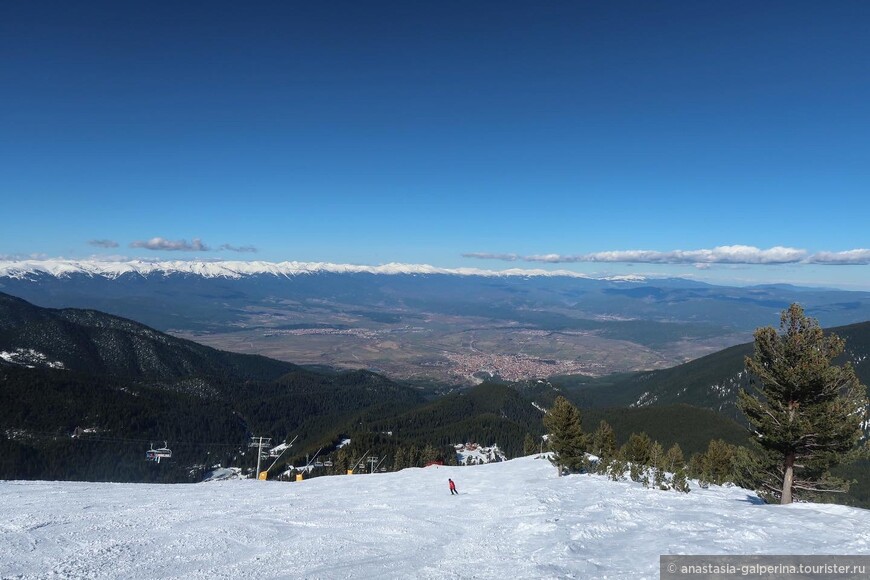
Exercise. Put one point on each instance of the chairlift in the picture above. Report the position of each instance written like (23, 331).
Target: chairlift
(318, 464)
(157, 454)
(327, 463)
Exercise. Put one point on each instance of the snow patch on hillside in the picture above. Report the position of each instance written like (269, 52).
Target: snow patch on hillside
(646, 399)
(29, 358)
(277, 450)
(219, 473)
(474, 454)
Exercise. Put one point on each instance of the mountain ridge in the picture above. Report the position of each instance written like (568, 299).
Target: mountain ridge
(90, 341)
(236, 269)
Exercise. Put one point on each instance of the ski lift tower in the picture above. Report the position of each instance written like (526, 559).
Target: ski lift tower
(372, 462)
(260, 443)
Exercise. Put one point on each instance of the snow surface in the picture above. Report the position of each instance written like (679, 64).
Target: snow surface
(514, 519)
(60, 268)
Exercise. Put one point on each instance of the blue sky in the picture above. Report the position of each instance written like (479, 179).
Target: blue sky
(447, 133)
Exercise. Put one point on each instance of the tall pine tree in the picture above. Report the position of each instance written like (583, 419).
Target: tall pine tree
(806, 411)
(566, 438)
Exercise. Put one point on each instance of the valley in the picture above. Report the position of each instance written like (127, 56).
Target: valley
(453, 349)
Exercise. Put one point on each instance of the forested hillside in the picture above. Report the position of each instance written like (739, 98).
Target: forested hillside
(102, 344)
(83, 395)
(711, 382)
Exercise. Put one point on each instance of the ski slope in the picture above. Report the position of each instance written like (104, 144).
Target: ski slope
(511, 520)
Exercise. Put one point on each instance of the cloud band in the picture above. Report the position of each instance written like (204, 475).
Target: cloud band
(736, 254)
(196, 245)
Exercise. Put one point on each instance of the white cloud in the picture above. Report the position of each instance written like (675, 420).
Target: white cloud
(488, 256)
(719, 255)
(104, 243)
(181, 246)
(172, 245)
(857, 257)
(241, 249)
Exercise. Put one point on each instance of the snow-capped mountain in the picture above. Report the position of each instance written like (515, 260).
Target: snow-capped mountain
(26, 269)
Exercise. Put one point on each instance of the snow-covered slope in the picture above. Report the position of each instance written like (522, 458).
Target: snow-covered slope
(513, 519)
(24, 269)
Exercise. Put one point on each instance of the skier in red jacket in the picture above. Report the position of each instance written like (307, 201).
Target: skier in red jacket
(452, 487)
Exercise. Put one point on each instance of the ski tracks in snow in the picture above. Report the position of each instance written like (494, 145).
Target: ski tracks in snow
(515, 519)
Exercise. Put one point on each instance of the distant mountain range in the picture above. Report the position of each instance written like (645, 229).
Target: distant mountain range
(26, 269)
(421, 322)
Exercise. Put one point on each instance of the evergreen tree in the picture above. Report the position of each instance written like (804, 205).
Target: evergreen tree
(602, 467)
(530, 446)
(567, 440)
(806, 411)
(638, 449)
(617, 469)
(657, 455)
(399, 459)
(413, 457)
(604, 441)
(674, 459)
(716, 465)
(430, 454)
(680, 481)
(659, 479)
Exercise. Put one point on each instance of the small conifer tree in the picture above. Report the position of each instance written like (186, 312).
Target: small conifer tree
(680, 482)
(413, 457)
(530, 446)
(604, 441)
(399, 459)
(566, 438)
(638, 449)
(718, 462)
(674, 459)
(430, 454)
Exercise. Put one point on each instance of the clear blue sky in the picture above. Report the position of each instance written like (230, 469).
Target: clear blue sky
(371, 132)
